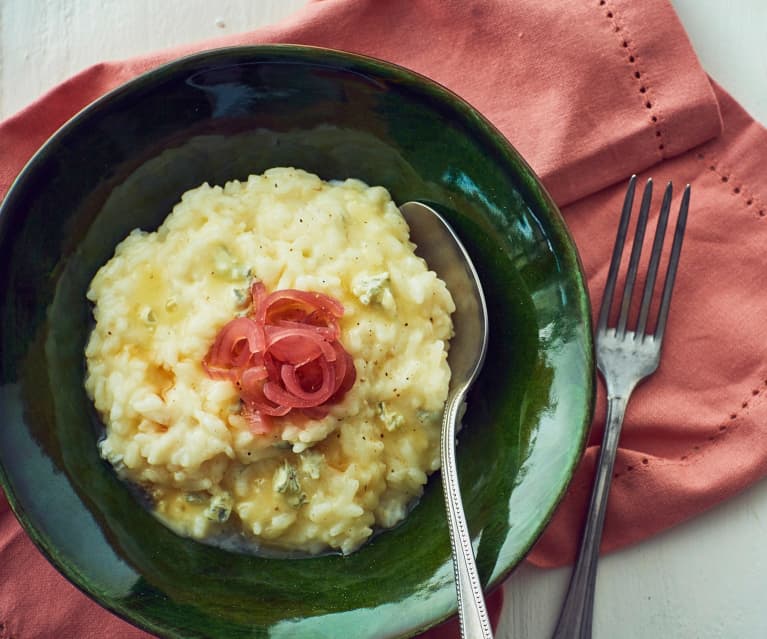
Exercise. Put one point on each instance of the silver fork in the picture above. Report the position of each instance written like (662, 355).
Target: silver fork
(624, 357)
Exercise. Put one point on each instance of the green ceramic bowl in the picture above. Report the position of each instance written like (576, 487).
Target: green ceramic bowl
(122, 163)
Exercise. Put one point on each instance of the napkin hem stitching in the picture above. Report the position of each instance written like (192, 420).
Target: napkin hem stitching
(722, 430)
(749, 198)
(645, 90)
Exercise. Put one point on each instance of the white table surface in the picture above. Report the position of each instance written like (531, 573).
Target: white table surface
(706, 579)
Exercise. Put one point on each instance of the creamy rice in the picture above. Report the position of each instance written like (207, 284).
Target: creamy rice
(159, 304)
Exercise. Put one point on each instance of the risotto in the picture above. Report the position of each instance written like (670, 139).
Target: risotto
(300, 483)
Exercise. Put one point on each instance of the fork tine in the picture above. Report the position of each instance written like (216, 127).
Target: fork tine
(652, 269)
(612, 274)
(636, 252)
(676, 249)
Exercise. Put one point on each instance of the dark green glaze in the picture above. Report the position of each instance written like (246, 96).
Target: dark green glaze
(123, 163)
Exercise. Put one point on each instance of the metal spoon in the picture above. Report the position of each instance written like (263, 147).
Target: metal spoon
(438, 244)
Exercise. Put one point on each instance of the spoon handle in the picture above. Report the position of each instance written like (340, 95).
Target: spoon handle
(472, 612)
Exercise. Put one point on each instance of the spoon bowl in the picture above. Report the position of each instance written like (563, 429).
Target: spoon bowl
(437, 243)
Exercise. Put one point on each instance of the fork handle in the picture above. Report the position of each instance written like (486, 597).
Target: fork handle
(578, 609)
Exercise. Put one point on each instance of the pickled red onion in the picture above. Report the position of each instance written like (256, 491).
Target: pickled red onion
(284, 356)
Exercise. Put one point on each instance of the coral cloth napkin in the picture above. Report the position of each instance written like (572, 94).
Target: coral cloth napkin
(589, 92)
